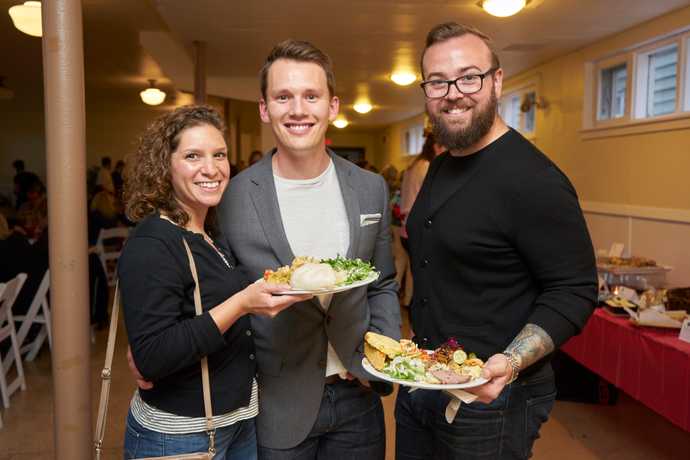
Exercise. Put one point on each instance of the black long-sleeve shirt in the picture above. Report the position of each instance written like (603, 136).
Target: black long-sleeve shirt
(167, 339)
(498, 240)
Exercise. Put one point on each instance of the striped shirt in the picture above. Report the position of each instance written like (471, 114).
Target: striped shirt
(165, 422)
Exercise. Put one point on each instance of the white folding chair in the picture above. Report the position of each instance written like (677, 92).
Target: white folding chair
(8, 294)
(109, 252)
(38, 313)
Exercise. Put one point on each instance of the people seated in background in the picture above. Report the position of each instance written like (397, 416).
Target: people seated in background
(105, 178)
(18, 255)
(255, 156)
(22, 181)
(32, 215)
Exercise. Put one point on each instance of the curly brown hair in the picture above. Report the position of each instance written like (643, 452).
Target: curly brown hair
(147, 181)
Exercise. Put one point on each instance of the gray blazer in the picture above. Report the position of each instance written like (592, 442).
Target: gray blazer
(291, 348)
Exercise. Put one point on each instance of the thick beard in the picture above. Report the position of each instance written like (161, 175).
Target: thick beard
(462, 138)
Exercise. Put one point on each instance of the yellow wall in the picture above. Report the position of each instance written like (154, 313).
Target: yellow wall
(641, 169)
(114, 123)
(392, 152)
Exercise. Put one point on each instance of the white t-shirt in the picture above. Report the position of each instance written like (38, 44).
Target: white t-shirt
(316, 225)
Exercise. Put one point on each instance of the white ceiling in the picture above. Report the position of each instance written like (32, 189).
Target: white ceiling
(128, 41)
(367, 39)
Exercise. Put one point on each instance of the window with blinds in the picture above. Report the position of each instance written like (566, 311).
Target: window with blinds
(657, 82)
(612, 84)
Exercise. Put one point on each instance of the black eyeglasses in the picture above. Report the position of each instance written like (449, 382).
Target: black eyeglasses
(467, 84)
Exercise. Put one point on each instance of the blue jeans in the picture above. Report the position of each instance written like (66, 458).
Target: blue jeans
(504, 429)
(234, 442)
(349, 425)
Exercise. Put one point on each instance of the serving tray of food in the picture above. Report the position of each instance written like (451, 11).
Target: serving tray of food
(448, 367)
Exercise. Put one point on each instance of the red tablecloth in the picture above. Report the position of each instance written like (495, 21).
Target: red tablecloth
(651, 365)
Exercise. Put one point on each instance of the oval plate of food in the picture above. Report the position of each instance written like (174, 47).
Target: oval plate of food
(423, 385)
(308, 275)
(448, 367)
(373, 276)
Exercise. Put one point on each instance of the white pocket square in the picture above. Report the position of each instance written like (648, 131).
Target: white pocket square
(368, 219)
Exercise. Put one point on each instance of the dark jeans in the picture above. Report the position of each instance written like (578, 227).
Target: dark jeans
(504, 429)
(234, 442)
(349, 425)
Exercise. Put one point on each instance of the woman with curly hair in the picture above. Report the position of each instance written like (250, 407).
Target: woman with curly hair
(173, 182)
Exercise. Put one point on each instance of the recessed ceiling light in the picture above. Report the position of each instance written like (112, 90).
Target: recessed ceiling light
(503, 8)
(362, 107)
(340, 122)
(403, 78)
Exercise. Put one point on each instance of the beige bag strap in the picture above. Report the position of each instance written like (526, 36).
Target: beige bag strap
(106, 373)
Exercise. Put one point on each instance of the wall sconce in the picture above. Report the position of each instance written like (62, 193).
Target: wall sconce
(529, 100)
(152, 95)
(27, 18)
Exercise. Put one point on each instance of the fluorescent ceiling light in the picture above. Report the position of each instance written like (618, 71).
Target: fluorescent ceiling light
(27, 18)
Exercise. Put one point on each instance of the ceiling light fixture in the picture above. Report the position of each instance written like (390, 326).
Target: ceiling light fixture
(340, 122)
(5, 92)
(152, 95)
(362, 107)
(403, 77)
(503, 8)
(27, 18)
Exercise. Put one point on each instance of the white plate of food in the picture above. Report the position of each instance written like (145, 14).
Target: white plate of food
(308, 275)
(446, 368)
(423, 385)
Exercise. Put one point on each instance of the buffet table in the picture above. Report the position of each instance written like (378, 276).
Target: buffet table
(651, 365)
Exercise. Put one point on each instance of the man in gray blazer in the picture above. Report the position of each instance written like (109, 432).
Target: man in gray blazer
(303, 200)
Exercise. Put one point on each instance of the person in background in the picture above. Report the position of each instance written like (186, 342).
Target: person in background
(255, 156)
(175, 180)
(412, 179)
(413, 176)
(118, 181)
(32, 215)
(22, 181)
(105, 177)
(501, 257)
(392, 176)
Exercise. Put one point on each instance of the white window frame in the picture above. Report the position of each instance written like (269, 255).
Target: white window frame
(636, 88)
(641, 96)
(684, 72)
(600, 90)
(412, 139)
(521, 89)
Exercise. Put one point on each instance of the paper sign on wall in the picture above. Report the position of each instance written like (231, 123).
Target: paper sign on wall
(616, 250)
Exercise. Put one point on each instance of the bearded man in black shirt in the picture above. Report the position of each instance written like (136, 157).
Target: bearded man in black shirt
(501, 257)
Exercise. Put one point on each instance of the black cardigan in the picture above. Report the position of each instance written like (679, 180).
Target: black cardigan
(166, 337)
(498, 240)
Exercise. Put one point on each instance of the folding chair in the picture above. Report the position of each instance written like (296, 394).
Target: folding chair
(8, 294)
(38, 313)
(108, 248)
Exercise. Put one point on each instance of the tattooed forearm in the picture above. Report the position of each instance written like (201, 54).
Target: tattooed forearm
(530, 345)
